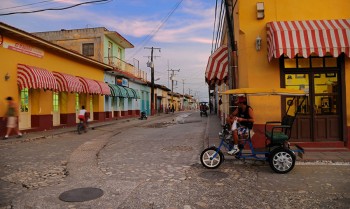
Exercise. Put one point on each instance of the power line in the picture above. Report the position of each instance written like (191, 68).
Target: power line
(212, 42)
(24, 5)
(220, 25)
(148, 37)
(55, 9)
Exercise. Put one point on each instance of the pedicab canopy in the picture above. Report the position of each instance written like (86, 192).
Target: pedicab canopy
(265, 91)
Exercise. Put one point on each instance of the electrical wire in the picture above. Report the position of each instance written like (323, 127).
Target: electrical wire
(148, 37)
(55, 9)
(24, 5)
(212, 41)
(220, 25)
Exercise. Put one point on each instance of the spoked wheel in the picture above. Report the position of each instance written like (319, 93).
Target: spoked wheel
(210, 158)
(282, 160)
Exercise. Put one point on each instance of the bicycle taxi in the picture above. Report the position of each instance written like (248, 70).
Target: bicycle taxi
(278, 152)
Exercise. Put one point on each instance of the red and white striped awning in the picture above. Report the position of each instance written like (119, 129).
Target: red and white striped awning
(217, 67)
(34, 77)
(307, 37)
(68, 83)
(104, 88)
(90, 86)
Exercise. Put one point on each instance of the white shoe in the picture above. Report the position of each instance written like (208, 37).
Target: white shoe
(234, 150)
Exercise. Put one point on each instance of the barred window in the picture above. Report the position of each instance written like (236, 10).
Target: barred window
(88, 49)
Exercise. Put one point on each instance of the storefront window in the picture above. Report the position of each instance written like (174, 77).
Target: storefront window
(300, 82)
(55, 102)
(303, 63)
(317, 62)
(24, 100)
(325, 105)
(330, 62)
(91, 108)
(77, 105)
(326, 90)
(290, 63)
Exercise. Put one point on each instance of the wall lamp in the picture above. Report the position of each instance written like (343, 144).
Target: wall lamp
(260, 14)
(7, 77)
(258, 43)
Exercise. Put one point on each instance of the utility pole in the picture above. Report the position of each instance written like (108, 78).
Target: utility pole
(172, 85)
(151, 65)
(183, 94)
(168, 74)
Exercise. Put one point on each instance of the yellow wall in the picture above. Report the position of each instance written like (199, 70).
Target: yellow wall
(253, 67)
(52, 61)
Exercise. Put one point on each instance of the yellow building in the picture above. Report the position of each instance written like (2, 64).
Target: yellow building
(50, 83)
(291, 44)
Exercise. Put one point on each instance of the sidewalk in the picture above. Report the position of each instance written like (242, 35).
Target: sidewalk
(332, 155)
(32, 136)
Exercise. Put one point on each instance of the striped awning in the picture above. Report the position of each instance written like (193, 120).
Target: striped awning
(131, 92)
(217, 67)
(307, 37)
(68, 83)
(90, 86)
(115, 92)
(123, 91)
(137, 94)
(36, 78)
(104, 88)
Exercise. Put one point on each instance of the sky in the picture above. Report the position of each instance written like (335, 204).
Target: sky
(182, 29)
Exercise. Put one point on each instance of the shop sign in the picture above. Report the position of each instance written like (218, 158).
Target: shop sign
(23, 48)
(119, 82)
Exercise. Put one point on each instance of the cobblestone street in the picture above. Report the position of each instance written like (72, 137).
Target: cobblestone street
(155, 164)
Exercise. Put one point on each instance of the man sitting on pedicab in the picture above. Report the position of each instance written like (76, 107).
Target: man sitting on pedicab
(241, 121)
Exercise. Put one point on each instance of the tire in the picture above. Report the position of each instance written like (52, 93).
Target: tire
(80, 128)
(211, 163)
(282, 160)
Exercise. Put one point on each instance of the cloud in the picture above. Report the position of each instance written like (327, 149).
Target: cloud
(185, 38)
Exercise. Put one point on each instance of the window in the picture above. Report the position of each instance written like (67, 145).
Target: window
(77, 105)
(24, 100)
(310, 62)
(88, 49)
(55, 102)
(110, 53)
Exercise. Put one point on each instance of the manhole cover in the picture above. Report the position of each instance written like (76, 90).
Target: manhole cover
(81, 194)
(213, 175)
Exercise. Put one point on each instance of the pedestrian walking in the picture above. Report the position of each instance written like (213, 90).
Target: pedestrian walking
(12, 118)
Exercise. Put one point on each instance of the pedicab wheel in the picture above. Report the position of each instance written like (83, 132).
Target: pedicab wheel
(208, 160)
(282, 160)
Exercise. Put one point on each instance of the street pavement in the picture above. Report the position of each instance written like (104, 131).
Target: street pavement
(78, 160)
(312, 155)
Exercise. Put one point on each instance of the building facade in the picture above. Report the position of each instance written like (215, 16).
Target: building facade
(296, 45)
(49, 82)
(108, 47)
